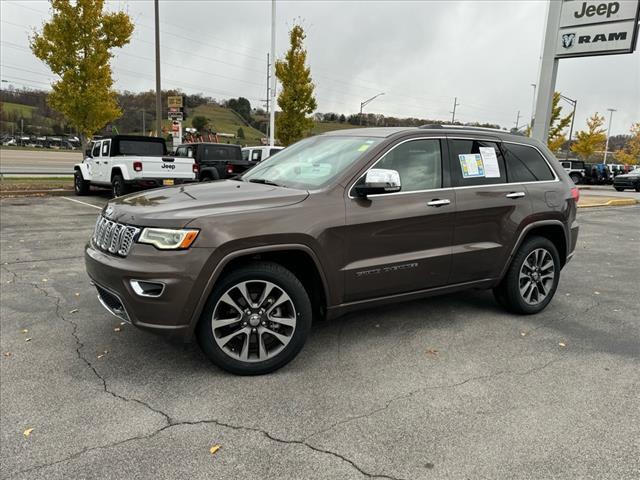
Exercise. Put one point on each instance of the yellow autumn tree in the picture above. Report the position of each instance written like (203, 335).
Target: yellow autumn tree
(76, 45)
(630, 154)
(557, 125)
(592, 139)
(296, 99)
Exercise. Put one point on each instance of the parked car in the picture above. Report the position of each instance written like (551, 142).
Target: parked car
(629, 180)
(336, 222)
(575, 169)
(258, 154)
(215, 160)
(123, 162)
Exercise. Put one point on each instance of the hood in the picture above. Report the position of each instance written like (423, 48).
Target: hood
(176, 206)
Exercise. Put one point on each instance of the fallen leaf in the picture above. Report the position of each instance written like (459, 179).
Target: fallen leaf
(523, 334)
(103, 354)
(562, 344)
(73, 311)
(596, 293)
(214, 449)
(24, 330)
(77, 294)
(568, 294)
(7, 354)
(117, 329)
(432, 352)
(123, 323)
(27, 432)
(45, 280)
(28, 339)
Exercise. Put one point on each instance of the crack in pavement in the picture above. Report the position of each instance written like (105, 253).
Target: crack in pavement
(16, 262)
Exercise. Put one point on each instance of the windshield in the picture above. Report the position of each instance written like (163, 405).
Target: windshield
(311, 163)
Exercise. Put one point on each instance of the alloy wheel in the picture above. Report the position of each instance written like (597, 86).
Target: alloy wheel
(253, 321)
(536, 277)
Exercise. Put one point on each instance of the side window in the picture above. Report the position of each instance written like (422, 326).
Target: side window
(476, 162)
(273, 151)
(256, 155)
(526, 164)
(419, 163)
(245, 155)
(181, 152)
(566, 164)
(96, 150)
(105, 148)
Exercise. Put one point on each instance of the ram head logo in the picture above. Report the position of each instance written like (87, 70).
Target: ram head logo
(567, 40)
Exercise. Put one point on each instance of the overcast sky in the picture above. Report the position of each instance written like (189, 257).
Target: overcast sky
(422, 54)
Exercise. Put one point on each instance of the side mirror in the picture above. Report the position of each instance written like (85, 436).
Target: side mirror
(87, 153)
(377, 181)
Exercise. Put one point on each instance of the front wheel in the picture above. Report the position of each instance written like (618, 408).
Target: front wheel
(80, 185)
(256, 319)
(532, 278)
(619, 189)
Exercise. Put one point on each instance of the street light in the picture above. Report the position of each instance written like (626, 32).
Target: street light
(367, 102)
(573, 117)
(606, 147)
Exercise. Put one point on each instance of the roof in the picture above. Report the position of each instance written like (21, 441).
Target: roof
(218, 144)
(131, 137)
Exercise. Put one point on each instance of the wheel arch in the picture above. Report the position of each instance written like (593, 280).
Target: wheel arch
(82, 168)
(554, 230)
(300, 259)
(119, 169)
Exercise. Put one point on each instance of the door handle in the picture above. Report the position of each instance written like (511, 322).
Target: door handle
(438, 203)
(515, 195)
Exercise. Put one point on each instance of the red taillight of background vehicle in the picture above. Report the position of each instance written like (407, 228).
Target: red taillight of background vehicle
(137, 166)
(575, 194)
(229, 168)
(196, 168)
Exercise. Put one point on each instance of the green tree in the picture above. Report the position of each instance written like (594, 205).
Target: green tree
(240, 133)
(630, 154)
(557, 125)
(199, 122)
(242, 106)
(592, 139)
(76, 45)
(296, 99)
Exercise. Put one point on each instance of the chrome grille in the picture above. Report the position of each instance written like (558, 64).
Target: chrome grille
(114, 237)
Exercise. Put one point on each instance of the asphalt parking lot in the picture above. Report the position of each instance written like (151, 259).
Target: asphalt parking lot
(449, 387)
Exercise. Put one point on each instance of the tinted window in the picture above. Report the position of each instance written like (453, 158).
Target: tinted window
(245, 155)
(96, 150)
(474, 163)
(256, 155)
(273, 151)
(419, 163)
(105, 148)
(142, 148)
(526, 164)
(220, 152)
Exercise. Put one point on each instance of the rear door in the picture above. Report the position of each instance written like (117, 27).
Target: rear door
(401, 242)
(489, 209)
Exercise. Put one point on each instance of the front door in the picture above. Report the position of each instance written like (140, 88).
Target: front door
(401, 242)
(489, 210)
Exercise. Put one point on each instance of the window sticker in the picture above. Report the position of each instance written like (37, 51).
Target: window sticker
(490, 161)
(471, 165)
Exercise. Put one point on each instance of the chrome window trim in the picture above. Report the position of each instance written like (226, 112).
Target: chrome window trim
(401, 192)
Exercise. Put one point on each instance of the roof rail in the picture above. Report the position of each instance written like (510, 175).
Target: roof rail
(463, 127)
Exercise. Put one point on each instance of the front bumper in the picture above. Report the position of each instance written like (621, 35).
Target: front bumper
(171, 312)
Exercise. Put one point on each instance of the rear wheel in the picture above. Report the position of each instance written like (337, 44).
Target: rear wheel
(80, 185)
(532, 278)
(256, 319)
(118, 186)
(638, 187)
(619, 189)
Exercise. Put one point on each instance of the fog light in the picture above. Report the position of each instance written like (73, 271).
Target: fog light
(145, 288)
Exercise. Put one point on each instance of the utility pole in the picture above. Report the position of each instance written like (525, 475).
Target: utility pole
(606, 147)
(144, 129)
(533, 109)
(573, 117)
(367, 102)
(455, 104)
(158, 87)
(268, 90)
(272, 73)
(517, 119)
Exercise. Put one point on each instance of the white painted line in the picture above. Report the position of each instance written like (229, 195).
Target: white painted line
(83, 203)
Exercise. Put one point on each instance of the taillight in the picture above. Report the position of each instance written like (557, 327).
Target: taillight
(196, 168)
(229, 168)
(575, 194)
(137, 166)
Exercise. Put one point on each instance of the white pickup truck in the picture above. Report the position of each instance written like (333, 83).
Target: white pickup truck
(123, 162)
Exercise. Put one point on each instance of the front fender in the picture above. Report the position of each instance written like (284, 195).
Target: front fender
(84, 169)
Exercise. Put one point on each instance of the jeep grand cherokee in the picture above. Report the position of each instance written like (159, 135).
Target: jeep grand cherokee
(336, 222)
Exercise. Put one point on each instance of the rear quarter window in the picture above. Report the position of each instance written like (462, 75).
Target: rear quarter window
(526, 164)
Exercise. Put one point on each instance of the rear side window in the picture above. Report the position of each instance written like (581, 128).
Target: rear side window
(220, 152)
(419, 163)
(273, 151)
(526, 164)
(476, 162)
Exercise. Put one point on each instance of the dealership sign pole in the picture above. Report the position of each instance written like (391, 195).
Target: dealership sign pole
(581, 29)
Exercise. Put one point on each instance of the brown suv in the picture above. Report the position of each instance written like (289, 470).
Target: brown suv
(336, 222)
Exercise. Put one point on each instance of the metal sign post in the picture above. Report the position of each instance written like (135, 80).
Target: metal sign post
(581, 28)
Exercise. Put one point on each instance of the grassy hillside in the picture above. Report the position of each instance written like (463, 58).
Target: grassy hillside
(322, 127)
(22, 110)
(223, 120)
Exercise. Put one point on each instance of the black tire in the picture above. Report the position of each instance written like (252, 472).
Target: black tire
(619, 189)
(508, 292)
(80, 185)
(284, 280)
(637, 187)
(118, 186)
(210, 175)
(575, 178)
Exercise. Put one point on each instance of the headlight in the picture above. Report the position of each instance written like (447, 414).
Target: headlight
(166, 239)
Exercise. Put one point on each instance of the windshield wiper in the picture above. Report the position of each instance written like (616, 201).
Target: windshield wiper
(264, 181)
